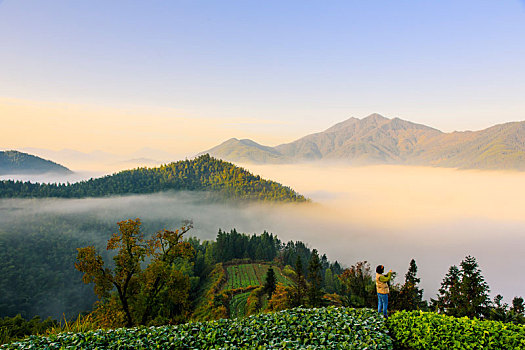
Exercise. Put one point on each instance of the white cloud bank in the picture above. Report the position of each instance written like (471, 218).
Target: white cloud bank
(382, 214)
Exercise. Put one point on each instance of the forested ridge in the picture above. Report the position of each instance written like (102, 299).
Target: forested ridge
(14, 162)
(203, 173)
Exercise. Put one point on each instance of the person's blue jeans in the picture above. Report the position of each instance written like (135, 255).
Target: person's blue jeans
(382, 303)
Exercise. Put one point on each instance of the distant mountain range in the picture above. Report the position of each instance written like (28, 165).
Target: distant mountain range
(379, 140)
(98, 159)
(14, 162)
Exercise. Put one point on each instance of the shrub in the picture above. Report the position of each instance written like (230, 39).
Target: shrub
(428, 330)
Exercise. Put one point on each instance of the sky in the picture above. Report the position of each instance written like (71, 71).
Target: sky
(183, 76)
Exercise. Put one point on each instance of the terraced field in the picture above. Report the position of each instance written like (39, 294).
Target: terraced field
(245, 275)
(238, 305)
(243, 279)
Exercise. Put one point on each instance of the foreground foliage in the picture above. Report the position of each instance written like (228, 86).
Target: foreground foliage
(427, 330)
(12, 328)
(16, 328)
(325, 328)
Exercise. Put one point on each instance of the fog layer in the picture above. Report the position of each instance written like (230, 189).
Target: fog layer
(390, 214)
(382, 214)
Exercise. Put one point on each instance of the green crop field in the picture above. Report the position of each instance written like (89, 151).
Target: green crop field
(325, 328)
(245, 275)
(238, 305)
(300, 328)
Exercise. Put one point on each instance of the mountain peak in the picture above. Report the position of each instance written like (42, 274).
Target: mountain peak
(375, 117)
(372, 119)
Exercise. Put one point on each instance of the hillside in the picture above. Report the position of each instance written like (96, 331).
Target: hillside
(247, 151)
(14, 162)
(379, 140)
(200, 174)
(242, 281)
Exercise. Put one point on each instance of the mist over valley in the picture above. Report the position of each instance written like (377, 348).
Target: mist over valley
(383, 214)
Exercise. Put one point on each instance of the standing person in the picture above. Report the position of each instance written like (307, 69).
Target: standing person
(382, 289)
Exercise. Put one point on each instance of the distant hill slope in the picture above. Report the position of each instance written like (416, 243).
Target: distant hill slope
(200, 174)
(379, 140)
(246, 151)
(14, 162)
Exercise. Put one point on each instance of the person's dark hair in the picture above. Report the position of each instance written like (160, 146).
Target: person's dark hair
(380, 269)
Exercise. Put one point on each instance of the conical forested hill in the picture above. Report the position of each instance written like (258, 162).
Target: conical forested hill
(203, 173)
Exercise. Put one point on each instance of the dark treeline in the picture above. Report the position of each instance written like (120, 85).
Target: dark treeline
(266, 247)
(37, 276)
(203, 173)
(37, 256)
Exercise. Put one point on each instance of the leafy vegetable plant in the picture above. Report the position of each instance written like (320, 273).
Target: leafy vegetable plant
(324, 328)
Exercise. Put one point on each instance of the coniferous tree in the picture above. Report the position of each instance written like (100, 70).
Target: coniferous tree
(299, 290)
(330, 281)
(518, 306)
(473, 289)
(336, 268)
(410, 297)
(315, 278)
(464, 291)
(270, 283)
(499, 310)
(518, 310)
(447, 301)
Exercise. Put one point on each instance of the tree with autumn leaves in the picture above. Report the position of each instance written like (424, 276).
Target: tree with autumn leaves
(145, 286)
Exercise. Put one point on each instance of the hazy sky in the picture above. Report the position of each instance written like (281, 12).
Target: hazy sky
(185, 75)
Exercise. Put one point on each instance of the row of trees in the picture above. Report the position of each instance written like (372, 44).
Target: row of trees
(203, 173)
(234, 245)
(463, 292)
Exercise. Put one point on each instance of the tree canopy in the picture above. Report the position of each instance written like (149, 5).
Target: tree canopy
(131, 294)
